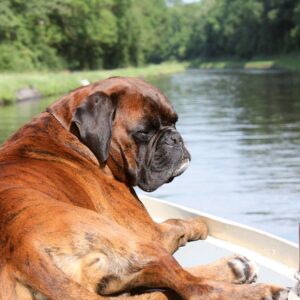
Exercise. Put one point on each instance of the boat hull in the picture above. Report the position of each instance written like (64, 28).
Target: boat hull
(276, 258)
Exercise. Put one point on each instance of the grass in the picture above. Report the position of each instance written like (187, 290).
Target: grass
(57, 83)
(285, 62)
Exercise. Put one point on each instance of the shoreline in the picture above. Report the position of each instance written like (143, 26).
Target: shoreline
(284, 62)
(48, 84)
(55, 83)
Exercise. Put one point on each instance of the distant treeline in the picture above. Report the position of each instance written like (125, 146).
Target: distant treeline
(93, 34)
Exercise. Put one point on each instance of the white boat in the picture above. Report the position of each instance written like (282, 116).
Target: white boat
(277, 258)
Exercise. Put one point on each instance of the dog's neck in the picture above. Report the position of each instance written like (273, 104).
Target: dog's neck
(63, 109)
(105, 168)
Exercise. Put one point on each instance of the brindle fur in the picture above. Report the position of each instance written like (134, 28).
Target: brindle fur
(72, 226)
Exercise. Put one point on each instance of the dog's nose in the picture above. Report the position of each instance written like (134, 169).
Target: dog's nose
(173, 138)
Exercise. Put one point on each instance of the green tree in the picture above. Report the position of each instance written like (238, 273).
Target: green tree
(80, 34)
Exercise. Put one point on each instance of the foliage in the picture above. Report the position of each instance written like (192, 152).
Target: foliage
(245, 28)
(82, 35)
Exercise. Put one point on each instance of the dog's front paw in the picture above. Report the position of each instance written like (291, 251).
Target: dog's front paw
(243, 269)
(198, 229)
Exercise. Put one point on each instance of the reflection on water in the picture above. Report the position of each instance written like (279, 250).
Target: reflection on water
(243, 131)
(12, 117)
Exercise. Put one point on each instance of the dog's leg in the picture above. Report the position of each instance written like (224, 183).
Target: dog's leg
(158, 269)
(45, 277)
(147, 266)
(235, 269)
(149, 295)
(190, 287)
(177, 232)
(8, 287)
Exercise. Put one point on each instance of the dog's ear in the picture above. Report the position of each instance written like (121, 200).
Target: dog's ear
(92, 123)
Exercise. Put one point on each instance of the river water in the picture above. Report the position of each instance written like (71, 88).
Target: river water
(243, 131)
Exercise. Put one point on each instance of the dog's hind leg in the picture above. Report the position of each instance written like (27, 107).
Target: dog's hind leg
(140, 265)
(235, 269)
(8, 290)
(41, 274)
(151, 266)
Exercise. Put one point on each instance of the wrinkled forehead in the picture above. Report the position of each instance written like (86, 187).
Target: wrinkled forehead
(143, 99)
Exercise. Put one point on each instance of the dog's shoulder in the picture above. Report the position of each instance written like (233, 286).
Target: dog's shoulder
(44, 138)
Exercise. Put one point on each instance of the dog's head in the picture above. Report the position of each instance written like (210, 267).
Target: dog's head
(129, 125)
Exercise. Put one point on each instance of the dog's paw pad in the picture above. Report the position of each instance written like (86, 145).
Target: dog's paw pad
(245, 270)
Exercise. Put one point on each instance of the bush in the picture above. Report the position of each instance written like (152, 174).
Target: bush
(15, 58)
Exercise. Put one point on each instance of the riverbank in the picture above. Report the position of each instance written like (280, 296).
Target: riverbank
(288, 62)
(59, 83)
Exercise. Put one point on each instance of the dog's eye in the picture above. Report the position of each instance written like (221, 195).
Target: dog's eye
(144, 135)
(144, 132)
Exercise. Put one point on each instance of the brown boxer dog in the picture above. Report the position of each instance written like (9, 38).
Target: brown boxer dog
(71, 224)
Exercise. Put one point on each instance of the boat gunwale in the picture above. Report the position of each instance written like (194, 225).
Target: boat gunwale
(266, 244)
